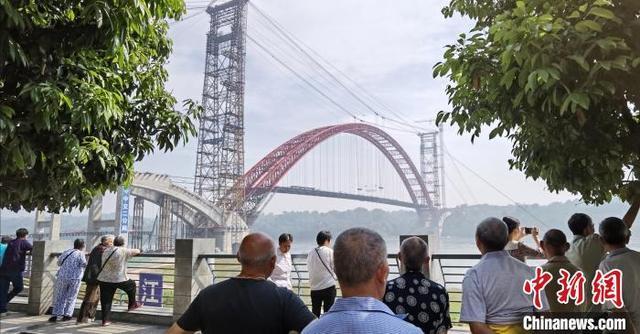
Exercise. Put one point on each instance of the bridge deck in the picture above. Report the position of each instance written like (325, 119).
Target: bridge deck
(332, 194)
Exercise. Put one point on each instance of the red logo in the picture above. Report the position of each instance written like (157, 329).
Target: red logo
(572, 287)
(536, 286)
(607, 287)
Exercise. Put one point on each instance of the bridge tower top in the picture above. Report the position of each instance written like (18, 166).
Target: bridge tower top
(432, 165)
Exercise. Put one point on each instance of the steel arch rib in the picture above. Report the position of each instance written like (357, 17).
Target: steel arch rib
(266, 174)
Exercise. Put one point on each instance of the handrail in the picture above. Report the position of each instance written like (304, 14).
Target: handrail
(155, 255)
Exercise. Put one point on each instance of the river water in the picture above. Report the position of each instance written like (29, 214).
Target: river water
(448, 245)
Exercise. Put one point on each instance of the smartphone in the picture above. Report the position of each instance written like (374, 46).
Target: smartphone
(528, 230)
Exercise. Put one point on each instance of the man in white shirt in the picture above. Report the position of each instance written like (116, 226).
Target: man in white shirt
(322, 278)
(281, 275)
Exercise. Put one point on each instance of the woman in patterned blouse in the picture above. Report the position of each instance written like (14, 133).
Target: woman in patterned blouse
(72, 263)
(515, 247)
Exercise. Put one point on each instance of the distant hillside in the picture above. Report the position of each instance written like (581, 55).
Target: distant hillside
(460, 222)
(463, 219)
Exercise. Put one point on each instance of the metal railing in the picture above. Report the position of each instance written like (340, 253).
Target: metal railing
(158, 264)
(451, 269)
(447, 269)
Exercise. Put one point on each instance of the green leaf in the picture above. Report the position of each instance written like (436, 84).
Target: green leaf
(587, 25)
(7, 111)
(602, 12)
(574, 15)
(581, 61)
(508, 78)
(495, 132)
(580, 99)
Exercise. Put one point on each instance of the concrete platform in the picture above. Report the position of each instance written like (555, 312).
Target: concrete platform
(16, 322)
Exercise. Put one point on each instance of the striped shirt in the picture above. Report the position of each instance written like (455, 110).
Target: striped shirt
(360, 315)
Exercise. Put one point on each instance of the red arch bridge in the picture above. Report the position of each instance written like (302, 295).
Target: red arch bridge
(263, 178)
(182, 211)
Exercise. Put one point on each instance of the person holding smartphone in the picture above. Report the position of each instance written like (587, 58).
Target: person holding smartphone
(517, 248)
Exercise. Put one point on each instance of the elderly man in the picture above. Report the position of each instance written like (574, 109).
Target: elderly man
(425, 302)
(554, 245)
(586, 249)
(493, 300)
(615, 236)
(360, 260)
(247, 303)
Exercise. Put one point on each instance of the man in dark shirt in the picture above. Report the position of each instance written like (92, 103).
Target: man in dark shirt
(425, 302)
(247, 303)
(13, 264)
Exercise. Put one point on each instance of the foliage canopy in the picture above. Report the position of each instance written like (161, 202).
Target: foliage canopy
(82, 96)
(560, 80)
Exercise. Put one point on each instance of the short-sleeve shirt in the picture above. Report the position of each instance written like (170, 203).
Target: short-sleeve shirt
(281, 275)
(425, 302)
(114, 270)
(586, 254)
(15, 255)
(321, 269)
(553, 267)
(72, 263)
(246, 306)
(360, 315)
(627, 261)
(492, 291)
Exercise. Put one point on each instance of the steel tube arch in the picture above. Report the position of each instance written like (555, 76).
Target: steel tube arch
(266, 174)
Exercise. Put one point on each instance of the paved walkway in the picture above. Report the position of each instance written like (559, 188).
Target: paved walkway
(16, 322)
(21, 323)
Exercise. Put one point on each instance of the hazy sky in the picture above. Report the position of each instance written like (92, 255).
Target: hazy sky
(388, 47)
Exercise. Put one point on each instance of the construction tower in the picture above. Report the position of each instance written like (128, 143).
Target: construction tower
(431, 165)
(220, 155)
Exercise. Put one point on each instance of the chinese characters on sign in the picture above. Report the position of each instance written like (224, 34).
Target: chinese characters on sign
(150, 289)
(124, 211)
(606, 287)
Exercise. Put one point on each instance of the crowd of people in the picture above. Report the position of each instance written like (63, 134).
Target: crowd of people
(493, 298)
(104, 272)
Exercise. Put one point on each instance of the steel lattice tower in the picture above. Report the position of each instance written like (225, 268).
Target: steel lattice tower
(220, 155)
(431, 165)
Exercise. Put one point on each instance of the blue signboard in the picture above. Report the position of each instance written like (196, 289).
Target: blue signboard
(150, 289)
(124, 210)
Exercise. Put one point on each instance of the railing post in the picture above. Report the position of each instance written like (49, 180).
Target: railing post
(192, 273)
(43, 274)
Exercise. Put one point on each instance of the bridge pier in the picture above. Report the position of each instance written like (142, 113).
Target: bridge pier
(135, 238)
(165, 238)
(47, 225)
(95, 223)
(228, 238)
